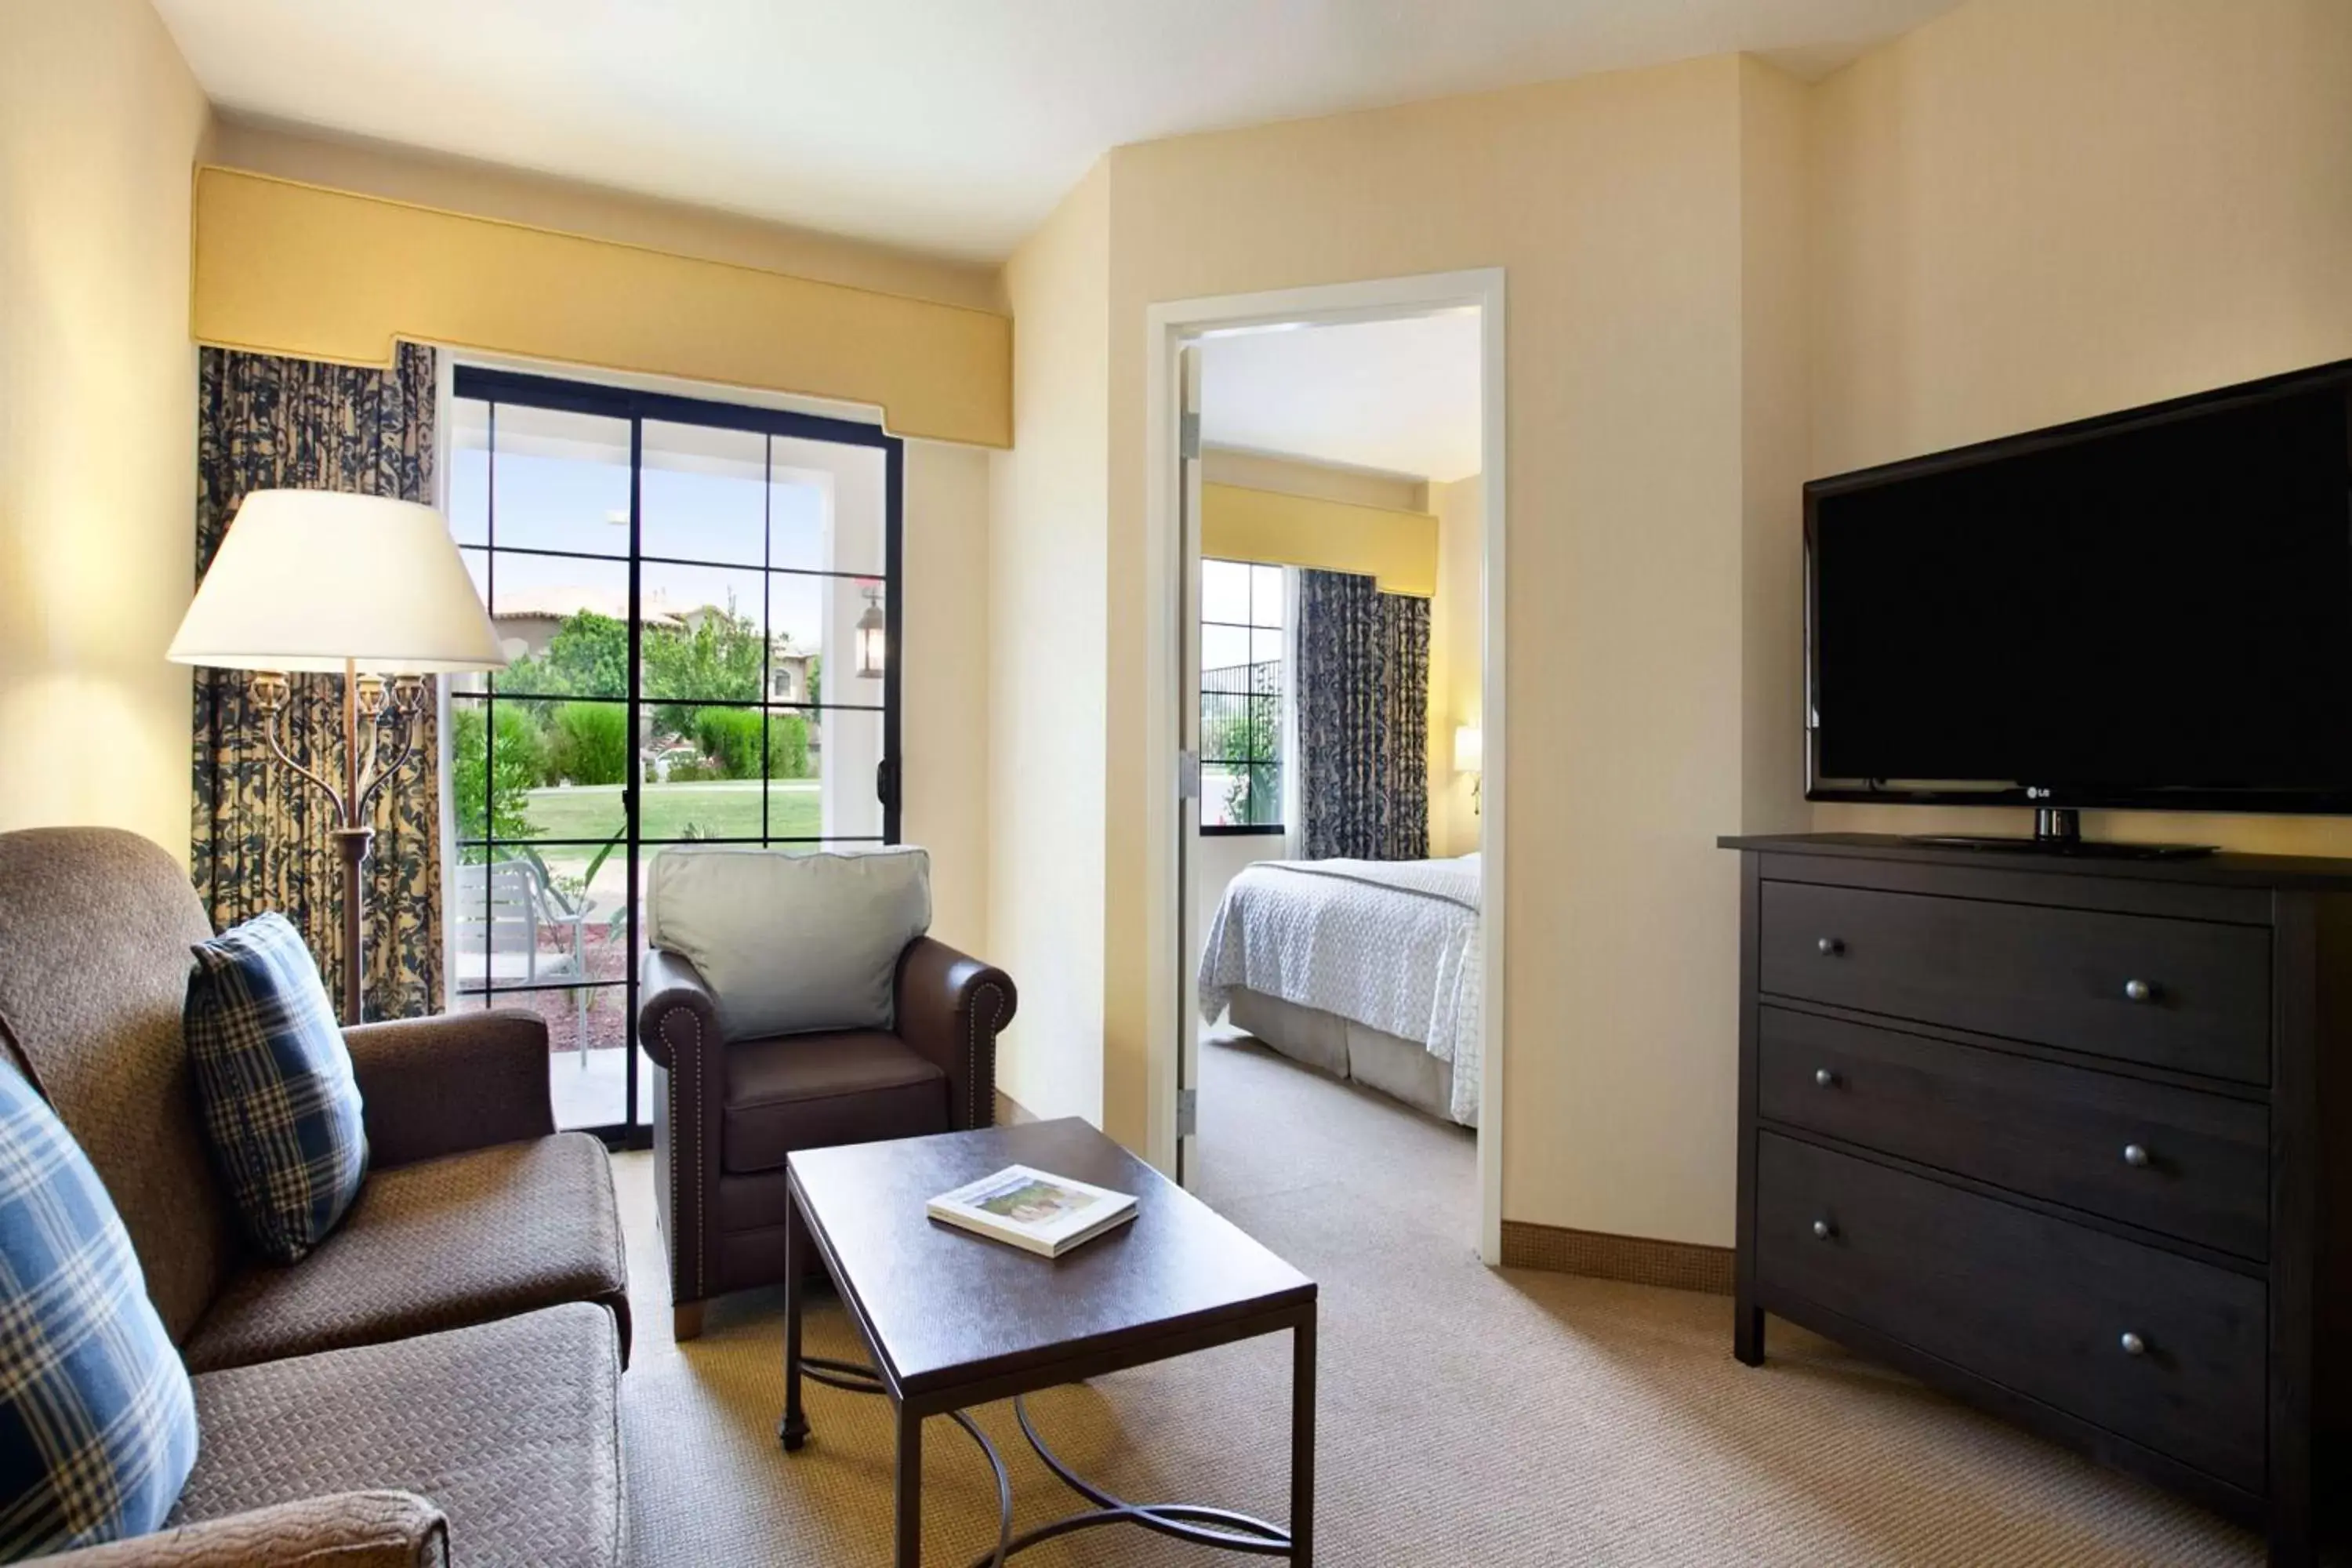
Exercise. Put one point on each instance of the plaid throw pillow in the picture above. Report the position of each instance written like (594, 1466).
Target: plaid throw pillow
(274, 1080)
(98, 1426)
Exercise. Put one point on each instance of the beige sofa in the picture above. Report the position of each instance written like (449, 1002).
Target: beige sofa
(443, 1374)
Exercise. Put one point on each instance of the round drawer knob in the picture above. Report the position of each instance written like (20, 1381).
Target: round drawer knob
(2138, 990)
(1824, 1078)
(1829, 947)
(2135, 1155)
(2132, 1344)
(1823, 1230)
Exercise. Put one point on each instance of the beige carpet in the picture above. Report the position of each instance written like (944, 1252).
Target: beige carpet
(1468, 1416)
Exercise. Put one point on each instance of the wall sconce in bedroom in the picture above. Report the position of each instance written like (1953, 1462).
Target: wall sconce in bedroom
(1469, 749)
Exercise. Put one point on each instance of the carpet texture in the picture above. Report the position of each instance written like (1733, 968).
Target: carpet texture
(1466, 1416)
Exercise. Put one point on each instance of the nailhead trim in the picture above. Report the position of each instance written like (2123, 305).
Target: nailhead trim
(974, 1040)
(677, 1159)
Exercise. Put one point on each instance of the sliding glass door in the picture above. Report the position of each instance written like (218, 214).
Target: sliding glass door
(700, 605)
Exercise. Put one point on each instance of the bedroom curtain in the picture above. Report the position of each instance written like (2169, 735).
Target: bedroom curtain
(259, 838)
(1363, 719)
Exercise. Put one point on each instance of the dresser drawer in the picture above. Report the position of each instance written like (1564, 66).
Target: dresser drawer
(2177, 1160)
(2190, 995)
(2034, 1303)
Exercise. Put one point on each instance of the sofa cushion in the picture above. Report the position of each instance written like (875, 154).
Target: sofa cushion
(95, 925)
(809, 1091)
(275, 1081)
(512, 1428)
(791, 942)
(97, 1430)
(436, 1245)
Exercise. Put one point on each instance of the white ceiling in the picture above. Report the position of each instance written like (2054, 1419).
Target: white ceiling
(951, 126)
(1398, 397)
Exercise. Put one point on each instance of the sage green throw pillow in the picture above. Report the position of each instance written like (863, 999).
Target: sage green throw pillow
(791, 943)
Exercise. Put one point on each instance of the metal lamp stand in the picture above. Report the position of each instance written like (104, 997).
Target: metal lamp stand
(369, 698)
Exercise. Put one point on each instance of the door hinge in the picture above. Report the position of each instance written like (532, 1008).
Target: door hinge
(1188, 775)
(1188, 437)
(886, 782)
(1188, 1112)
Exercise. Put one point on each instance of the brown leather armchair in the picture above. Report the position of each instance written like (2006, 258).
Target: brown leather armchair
(726, 1114)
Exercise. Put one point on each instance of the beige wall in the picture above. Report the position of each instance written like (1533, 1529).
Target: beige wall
(1047, 696)
(1775, 214)
(1613, 202)
(101, 123)
(1456, 663)
(2033, 210)
(943, 692)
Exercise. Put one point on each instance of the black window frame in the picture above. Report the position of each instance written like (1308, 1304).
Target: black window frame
(497, 387)
(1277, 762)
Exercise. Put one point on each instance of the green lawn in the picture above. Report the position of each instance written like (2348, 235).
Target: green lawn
(723, 810)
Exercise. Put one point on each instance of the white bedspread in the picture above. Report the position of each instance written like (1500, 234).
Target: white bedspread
(1393, 944)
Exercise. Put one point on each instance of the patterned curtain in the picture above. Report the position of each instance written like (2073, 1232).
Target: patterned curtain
(260, 838)
(1363, 719)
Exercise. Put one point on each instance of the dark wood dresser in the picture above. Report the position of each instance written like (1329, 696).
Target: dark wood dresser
(2067, 1136)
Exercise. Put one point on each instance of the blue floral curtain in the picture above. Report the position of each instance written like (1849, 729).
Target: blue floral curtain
(1363, 719)
(261, 837)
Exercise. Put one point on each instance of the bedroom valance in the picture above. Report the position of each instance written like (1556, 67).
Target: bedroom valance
(283, 267)
(1398, 549)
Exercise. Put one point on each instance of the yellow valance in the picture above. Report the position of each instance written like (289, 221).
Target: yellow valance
(285, 268)
(1400, 548)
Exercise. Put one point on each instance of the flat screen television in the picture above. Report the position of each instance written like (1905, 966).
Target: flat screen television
(2149, 609)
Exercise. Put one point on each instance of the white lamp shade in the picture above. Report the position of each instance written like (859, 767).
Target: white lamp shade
(1469, 749)
(308, 579)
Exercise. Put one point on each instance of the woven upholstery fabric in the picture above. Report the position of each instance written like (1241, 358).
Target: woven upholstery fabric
(510, 1428)
(407, 1067)
(95, 925)
(351, 1530)
(439, 1245)
(97, 1427)
(275, 1081)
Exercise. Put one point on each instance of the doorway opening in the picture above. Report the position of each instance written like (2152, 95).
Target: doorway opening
(1325, 522)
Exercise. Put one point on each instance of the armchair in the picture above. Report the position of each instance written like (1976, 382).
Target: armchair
(727, 1114)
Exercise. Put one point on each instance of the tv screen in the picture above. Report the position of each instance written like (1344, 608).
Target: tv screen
(2150, 609)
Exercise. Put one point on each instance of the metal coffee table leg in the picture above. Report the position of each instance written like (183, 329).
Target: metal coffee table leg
(1224, 1530)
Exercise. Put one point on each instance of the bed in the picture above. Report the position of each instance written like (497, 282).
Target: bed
(1367, 970)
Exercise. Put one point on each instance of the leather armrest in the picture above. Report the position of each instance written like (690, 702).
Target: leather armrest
(451, 1082)
(678, 1011)
(950, 1008)
(345, 1530)
(677, 1025)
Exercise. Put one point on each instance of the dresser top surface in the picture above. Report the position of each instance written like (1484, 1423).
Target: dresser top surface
(2302, 872)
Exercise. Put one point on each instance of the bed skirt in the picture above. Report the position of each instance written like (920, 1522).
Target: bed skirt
(1401, 1068)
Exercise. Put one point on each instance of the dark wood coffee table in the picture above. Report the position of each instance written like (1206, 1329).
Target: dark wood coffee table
(954, 1319)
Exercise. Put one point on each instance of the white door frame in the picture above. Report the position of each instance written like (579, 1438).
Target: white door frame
(1171, 984)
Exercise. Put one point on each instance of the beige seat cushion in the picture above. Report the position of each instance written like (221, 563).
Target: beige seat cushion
(811, 1091)
(436, 1245)
(512, 1428)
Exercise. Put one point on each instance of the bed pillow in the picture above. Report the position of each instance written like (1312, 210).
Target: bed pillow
(274, 1082)
(98, 1423)
(792, 943)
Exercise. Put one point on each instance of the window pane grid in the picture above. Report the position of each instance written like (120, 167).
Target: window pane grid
(587, 457)
(1241, 695)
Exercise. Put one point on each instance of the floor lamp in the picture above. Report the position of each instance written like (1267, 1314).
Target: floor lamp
(372, 589)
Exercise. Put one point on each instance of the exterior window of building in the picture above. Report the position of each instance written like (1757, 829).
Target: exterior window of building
(1241, 697)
